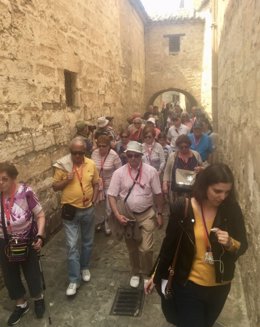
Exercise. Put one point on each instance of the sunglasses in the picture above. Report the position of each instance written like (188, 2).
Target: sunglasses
(77, 153)
(130, 156)
(102, 145)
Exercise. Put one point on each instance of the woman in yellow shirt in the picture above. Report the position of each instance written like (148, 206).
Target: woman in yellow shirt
(213, 238)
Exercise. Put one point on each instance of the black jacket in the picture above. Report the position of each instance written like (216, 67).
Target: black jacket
(229, 218)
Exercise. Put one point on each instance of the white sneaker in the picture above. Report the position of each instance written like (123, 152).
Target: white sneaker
(134, 281)
(86, 275)
(72, 289)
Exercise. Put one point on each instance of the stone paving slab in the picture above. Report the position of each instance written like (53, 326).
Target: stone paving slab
(92, 304)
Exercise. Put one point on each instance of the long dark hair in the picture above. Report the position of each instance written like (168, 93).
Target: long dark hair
(213, 174)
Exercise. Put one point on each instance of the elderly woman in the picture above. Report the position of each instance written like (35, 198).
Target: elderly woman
(153, 153)
(107, 161)
(21, 238)
(180, 169)
(136, 130)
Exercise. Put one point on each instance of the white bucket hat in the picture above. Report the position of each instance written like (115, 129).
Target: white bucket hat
(102, 122)
(134, 147)
(151, 120)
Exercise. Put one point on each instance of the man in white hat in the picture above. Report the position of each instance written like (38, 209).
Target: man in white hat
(138, 186)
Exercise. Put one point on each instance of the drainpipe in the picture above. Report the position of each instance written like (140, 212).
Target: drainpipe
(214, 90)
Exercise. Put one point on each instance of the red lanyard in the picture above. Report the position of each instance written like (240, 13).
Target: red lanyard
(207, 240)
(102, 163)
(8, 210)
(79, 174)
(138, 181)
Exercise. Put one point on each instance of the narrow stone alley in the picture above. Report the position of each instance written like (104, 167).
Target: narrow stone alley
(92, 304)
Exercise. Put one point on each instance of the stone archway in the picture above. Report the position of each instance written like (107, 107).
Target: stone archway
(190, 100)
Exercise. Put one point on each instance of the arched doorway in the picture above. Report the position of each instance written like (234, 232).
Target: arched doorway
(174, 96)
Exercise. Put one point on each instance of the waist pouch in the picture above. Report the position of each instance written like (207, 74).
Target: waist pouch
(68, 211)
(17, 250)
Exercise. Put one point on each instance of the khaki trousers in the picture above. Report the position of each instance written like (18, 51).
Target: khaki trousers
(141, 253)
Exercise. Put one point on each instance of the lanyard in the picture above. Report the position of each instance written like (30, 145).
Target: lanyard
(8, 210)
(149, 152)
(138, 180)
(102, 163)
(79, 174)
(207, 240)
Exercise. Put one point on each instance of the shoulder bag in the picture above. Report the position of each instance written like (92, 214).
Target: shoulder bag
(167, 299)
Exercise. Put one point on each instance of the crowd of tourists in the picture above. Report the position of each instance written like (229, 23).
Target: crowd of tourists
(122, 182)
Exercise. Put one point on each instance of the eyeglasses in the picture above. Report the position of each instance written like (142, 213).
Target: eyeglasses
(102, 145)
(130, 156)
(77, 153)
(137, 123)
(148, 137)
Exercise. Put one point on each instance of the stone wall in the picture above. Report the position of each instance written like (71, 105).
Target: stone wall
(239, 126)
(101, 42)
(180, 71)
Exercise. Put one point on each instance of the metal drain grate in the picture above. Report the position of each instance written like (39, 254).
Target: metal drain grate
(128, 302)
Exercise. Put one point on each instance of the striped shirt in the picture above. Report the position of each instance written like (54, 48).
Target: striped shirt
(112, 162)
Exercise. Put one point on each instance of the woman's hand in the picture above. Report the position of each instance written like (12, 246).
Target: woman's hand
(198, 169)
(222, 237)
(148, 287)
(37, 245)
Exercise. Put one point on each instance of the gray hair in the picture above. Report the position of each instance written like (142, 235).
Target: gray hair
(78, 140)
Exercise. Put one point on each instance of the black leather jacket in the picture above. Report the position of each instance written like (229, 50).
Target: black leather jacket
(229, 218)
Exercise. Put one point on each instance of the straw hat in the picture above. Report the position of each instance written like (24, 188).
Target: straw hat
(102, 122)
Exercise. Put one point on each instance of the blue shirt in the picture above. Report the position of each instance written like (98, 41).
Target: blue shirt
(204, 146)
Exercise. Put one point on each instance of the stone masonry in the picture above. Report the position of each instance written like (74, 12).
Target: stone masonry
(183, 70)
(239, 125)
(100, 43)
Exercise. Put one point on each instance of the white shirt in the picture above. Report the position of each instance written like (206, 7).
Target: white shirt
(174, 133)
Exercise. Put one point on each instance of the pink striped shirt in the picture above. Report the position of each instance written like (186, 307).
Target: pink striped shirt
(111, 164)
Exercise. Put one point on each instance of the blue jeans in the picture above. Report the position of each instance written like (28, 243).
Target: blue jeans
(83, 224)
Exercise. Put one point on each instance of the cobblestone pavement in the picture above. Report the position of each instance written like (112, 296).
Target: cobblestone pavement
(92, 304)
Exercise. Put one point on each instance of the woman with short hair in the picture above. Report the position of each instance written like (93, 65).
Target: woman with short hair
(153, 153)
(22, 228)
(107, 161)
(122, 144)
(183, 159)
